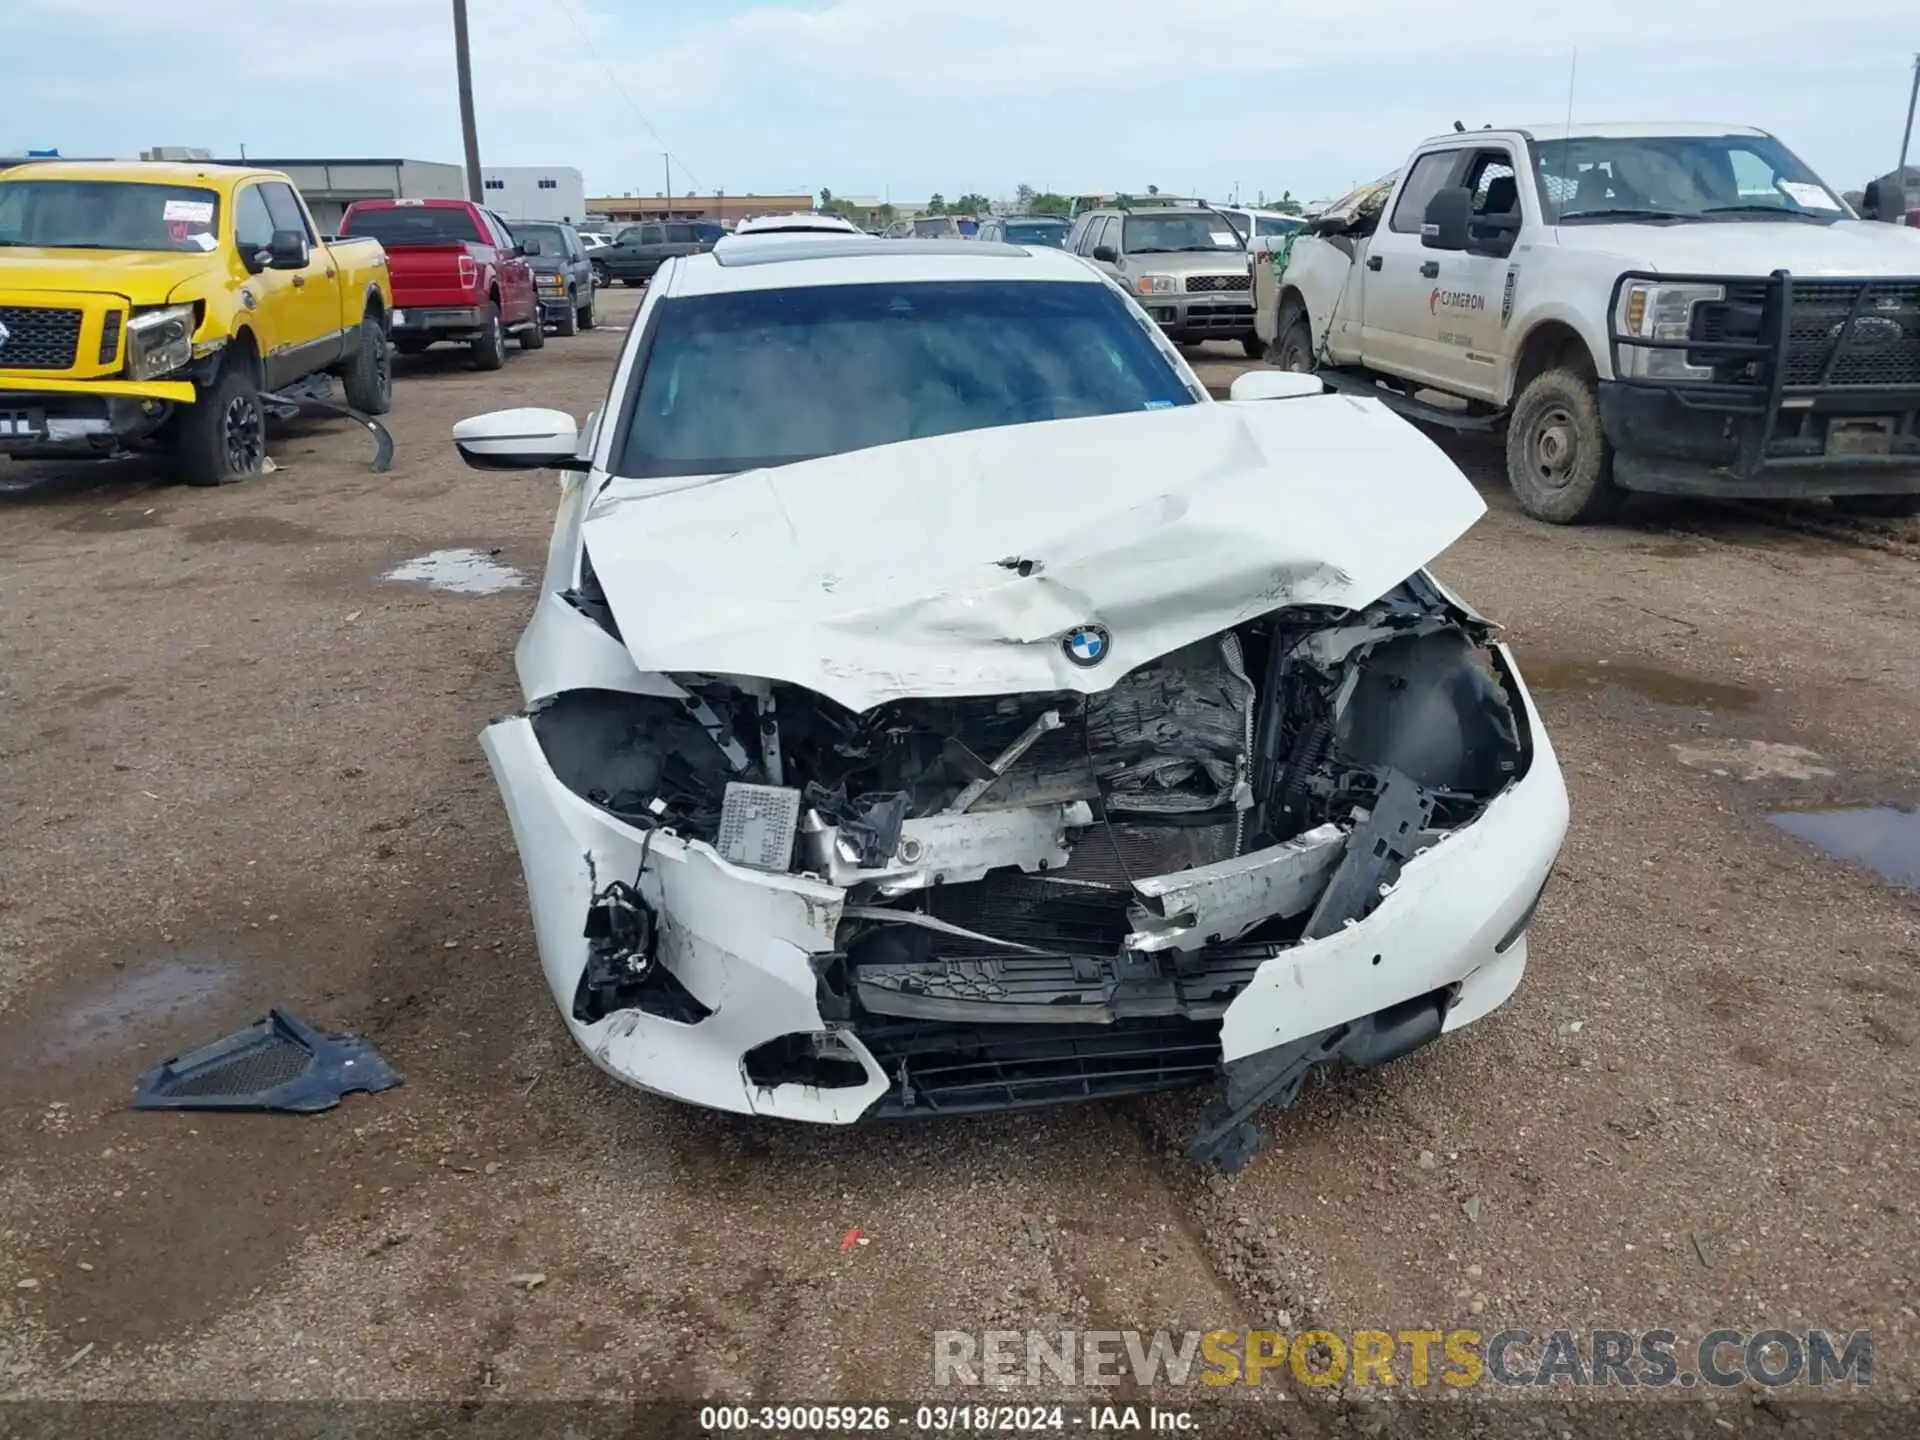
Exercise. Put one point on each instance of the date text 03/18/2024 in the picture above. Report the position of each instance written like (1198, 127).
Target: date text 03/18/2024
(976, 1419)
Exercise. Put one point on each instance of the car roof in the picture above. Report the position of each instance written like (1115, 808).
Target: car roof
(140, 172)
(797, 222)
(1606, 130)
(780, 262)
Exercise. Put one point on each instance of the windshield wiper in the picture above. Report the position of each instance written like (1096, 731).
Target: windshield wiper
(1149, 250)
(1624, 213)
(1772, 212)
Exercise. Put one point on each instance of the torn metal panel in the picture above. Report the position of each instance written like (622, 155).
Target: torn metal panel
(1171, 738)
(950, 849)
(1218, 903)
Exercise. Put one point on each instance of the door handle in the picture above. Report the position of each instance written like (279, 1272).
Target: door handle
(1373, 262)
(1430, 269)
(299, 282)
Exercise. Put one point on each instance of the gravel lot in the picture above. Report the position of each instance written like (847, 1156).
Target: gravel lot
(238, 768)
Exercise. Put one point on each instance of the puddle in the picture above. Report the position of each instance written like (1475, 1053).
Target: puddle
(100, 1018)
(1884, 839)
(255, 529)
(109, 522)
(1664, 687)
(464, 572)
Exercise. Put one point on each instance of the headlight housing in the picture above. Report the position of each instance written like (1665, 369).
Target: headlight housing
(1653, 311)
(159, 341)
(1157, 285)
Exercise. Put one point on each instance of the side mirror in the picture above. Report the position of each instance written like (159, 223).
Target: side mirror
(1106, 254)
(1449, 213)
(529, 247)
(287, 250)
(526, 439)
(1884, 202)
(1275, 385)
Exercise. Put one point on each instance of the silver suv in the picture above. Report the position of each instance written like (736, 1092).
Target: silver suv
(1185, 263)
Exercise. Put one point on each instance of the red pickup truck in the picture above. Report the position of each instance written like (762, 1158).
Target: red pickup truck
(458, 274)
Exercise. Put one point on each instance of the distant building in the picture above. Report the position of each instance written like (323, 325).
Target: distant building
(625, 209)
(536, 192)
(330, 186)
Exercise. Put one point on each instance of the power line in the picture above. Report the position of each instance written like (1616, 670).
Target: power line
(566, 9)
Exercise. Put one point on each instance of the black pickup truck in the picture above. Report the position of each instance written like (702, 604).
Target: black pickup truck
(638, 250)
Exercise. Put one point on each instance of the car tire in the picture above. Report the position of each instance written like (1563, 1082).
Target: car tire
(490, 346)
(569, 321)
(1292, 347)
(368, 381)
(1878, 507)
(1559, 462)
(600, 276)
(1252, 346)
(587, 318)
(534, 336)
(222, 436)
(631, 283)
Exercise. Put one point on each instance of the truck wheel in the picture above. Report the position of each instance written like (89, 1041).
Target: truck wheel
(1558, 460)
(587, 320)
(1292, 348)
(600, 276)
(1878, 507)
(569, 321)
(222, 436)
(490, 349)
(535, 335)
(1252, 347)
(632, 284)
(368, 380)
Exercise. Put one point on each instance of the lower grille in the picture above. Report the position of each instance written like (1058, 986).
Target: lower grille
(1201, 284)
(39, 338)
(940, 1069)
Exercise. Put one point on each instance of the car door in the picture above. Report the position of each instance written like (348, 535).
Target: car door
(269, 296)
(313, 305)
(619, 258)
(519, 301)
(1464, 305)
(1398, 334)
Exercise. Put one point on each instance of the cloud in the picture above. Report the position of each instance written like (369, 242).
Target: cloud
(925, 94)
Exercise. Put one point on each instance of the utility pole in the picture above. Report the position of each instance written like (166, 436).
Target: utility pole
(1900, 175)
(669, 159)
(463, 64)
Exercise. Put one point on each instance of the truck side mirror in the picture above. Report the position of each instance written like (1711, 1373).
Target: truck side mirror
(287, 250)
(1883, 202)
(1449, 213)
(1106, 254)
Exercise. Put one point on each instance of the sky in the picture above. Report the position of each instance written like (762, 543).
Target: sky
(902, 98)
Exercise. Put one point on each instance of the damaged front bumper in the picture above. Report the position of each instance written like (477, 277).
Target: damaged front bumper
(746, 1004)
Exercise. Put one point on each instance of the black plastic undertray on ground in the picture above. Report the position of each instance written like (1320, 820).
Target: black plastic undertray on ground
(277, 1063)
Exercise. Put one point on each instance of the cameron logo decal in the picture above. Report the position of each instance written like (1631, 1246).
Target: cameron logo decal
(1454, 300)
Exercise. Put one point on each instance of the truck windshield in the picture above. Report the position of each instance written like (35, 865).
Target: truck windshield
(552, 238)
(1606, 179)
(1037, 232)
(769, 377)
(1190, 230)
(416, 225)
(108, 215)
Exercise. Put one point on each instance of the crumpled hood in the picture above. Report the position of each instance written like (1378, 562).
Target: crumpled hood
(1758, 248)
(894, 571)
(141, 277)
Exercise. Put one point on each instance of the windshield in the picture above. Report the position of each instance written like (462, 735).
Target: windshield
(1036, 232)
(768, 377)
(943, 225)
(108, 215)
(1275, 225)
(415, 225)
(1678, 177)
(1196, 230)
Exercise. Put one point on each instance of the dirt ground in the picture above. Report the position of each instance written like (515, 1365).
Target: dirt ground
(238, 768)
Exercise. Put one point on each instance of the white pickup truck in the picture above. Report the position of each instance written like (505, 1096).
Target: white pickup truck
(1684, 309)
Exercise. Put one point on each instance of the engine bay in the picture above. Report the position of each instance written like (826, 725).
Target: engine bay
(1066, 858)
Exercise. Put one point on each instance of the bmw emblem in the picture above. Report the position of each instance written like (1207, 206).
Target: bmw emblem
(1087, 646)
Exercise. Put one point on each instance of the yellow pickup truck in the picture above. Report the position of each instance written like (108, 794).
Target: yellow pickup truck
(161, 302)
